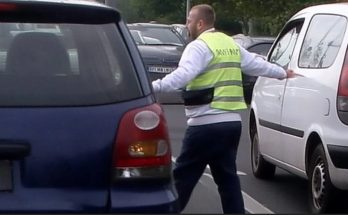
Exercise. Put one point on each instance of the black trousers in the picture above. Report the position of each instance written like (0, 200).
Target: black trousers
(214, 145)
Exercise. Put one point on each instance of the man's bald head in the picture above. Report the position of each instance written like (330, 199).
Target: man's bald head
(200, 19)
(206, 13)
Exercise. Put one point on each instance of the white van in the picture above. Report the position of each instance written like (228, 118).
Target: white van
(301, 124)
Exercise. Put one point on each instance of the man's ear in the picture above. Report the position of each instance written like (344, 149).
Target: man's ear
(200, 24)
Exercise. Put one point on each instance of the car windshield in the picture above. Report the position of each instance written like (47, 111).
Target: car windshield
(183, 31)
(48, 64)
(148, 35)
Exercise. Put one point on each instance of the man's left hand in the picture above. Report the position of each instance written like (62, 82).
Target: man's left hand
(291, 74)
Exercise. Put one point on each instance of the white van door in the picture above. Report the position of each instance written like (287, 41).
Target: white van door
(271, 96)
(307, 99)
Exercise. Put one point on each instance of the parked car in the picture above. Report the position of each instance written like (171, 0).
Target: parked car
(80, 129)
(301, 124)
(161, 47)
(258, 45)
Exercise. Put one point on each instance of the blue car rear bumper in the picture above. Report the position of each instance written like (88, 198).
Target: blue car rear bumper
(148, 200)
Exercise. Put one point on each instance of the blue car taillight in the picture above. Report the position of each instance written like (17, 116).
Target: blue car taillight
(8, 7)
(142, 147)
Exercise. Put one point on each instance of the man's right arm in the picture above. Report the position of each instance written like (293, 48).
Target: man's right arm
(194, 60)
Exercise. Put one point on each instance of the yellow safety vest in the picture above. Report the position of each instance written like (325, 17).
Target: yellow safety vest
(223, 73)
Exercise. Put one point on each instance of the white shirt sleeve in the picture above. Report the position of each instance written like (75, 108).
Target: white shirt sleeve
(254, 65)
(194, 60)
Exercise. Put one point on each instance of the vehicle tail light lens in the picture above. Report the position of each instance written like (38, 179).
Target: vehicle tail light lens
(342, 99)
(142, 146)
(7, 7)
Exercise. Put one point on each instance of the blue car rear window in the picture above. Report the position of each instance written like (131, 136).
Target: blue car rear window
(50, 64)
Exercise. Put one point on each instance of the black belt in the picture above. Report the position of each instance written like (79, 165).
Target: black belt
(197, 97)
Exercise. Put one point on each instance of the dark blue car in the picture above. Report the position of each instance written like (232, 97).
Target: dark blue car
(80, 130)
(161, 47)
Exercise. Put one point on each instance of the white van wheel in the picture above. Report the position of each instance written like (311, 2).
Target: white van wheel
(322, 194)
(260, 167)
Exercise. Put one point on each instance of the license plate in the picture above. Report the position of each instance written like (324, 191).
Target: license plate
(6, 175)
(160, 69)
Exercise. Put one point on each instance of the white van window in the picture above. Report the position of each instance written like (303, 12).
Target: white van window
(322, 41)
(282, 52)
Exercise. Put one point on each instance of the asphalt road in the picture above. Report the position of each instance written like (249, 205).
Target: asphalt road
(285, 193)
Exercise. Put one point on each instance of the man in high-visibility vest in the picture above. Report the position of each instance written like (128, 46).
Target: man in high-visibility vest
(210, 72)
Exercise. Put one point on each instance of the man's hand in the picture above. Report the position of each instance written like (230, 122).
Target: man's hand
(291, 74)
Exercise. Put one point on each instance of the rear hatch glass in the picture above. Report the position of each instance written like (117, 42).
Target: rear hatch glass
(50, 64)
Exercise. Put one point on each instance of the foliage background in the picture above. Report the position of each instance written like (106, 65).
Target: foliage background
(251, 17)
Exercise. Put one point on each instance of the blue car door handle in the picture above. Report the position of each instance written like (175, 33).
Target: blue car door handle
(14, 149)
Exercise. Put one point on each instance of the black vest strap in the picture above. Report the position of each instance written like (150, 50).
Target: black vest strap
(197, 97)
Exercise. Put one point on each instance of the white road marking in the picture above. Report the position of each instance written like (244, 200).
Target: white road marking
(238, 172)
(251, 205)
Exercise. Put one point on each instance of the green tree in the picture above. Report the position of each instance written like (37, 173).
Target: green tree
(253, 17)
(162, 11)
